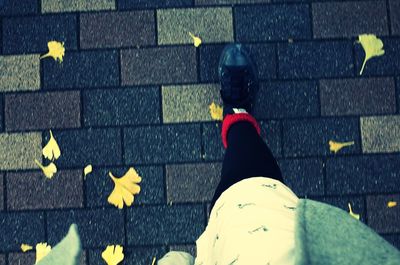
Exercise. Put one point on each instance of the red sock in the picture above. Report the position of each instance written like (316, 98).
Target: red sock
(233, 118)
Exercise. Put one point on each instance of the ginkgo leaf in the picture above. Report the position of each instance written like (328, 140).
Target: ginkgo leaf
(48, 170)
(51, 151)
(125, 188)
(197, 40)
(356, 216)
(56, 50)
(336, 146)
(391, 204)
(113, 254)
(26, 247)
(372, 47)
(88, 169)
(216, 111)
(42, 249)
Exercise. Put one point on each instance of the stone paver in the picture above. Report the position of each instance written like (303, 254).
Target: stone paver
(49, 6)
(395, 16)
(1, 192)
(229, 2)
(140, 4)
(17, 7)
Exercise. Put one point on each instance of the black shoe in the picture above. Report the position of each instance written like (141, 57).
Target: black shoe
(238, 78)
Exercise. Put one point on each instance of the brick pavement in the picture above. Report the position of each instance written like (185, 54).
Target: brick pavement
(134, 91)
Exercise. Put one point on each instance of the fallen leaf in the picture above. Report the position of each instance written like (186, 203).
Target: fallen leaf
(42, 249)
(197, 40)
(391, 204)
(216, 112)
(56, 50)
(125, 188)
(154, 260)
(48, 170)
(356, 216)
(88, 169)
(26, 247)
(372, 47)
(51, 151)
(113, 254)
(336, 146)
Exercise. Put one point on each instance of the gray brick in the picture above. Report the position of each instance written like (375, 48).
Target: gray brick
(1, 193)
(357, 96)
(97, 228)
(18, 7)
(192, 182)
(380, 134)
(33, 33)
(30, 111)
(112, 29)
(272, 22)
(382, 218)
(210, 24)
(127, 106)
(88, 146)
(263, 55)
(19, 72)
(161, 144)
(395, 16)
(99, 185)
(82, 69)
(76, 5)
(349, 19)
(31, 190)
(315, 59)
(2, 259)
(20, 227)
(362, 174)
(19, 150)
(132, 256)
(164, 65)
(189, 103)
(398, 94)
(158, 225)
(23, 258)
(1, 112)
(394, 239)
(311, 137)
(229, 2)
(141, 4)
(287, 100)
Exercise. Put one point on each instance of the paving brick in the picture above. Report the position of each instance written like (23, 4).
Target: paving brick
(398, 94)
(385, 65)
(164, 65)
(132, 256)
(304, 176)
(31, 34)
(380, 134)
(311, 137)
(190, 248)
(127, 106)
(394, 239)
(357, 96)
(19, 150)
(114, 29)
(362, 174)
(348, 19)
(31, 111)
(97, 228)
(395, 16)
(272, 22)
(228, 2)
(287, 100)
(382, 218)
(99, 185)
(82, 69)
(19, 72)
(263, 55)
(31, 190)
(1, 193)
(158, 225)
(1, 112)
(18, 7)
(192, 182)
(29, 258)
(315, 59)
(18, 227)
(162, 144)
(139, 4)
(2, 259)
(189, 103)
(214, 149)
(210, 24)
(76, 5)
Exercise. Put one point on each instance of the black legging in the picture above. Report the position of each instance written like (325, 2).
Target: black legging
(247, 156)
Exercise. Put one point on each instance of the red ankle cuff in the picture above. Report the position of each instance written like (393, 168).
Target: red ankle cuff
(233, 118)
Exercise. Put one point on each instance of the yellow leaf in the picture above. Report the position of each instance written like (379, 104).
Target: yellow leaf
(356, 216)
(216, 111)
(51, 151)
(391, 204)
(335, 146)
(372, 47)
(154, 260)
(113, 254)
(88, 169)
(124, 188)
(26, 247)
(197, 40)
(48, 170)
(56, 50)
(42, 249)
